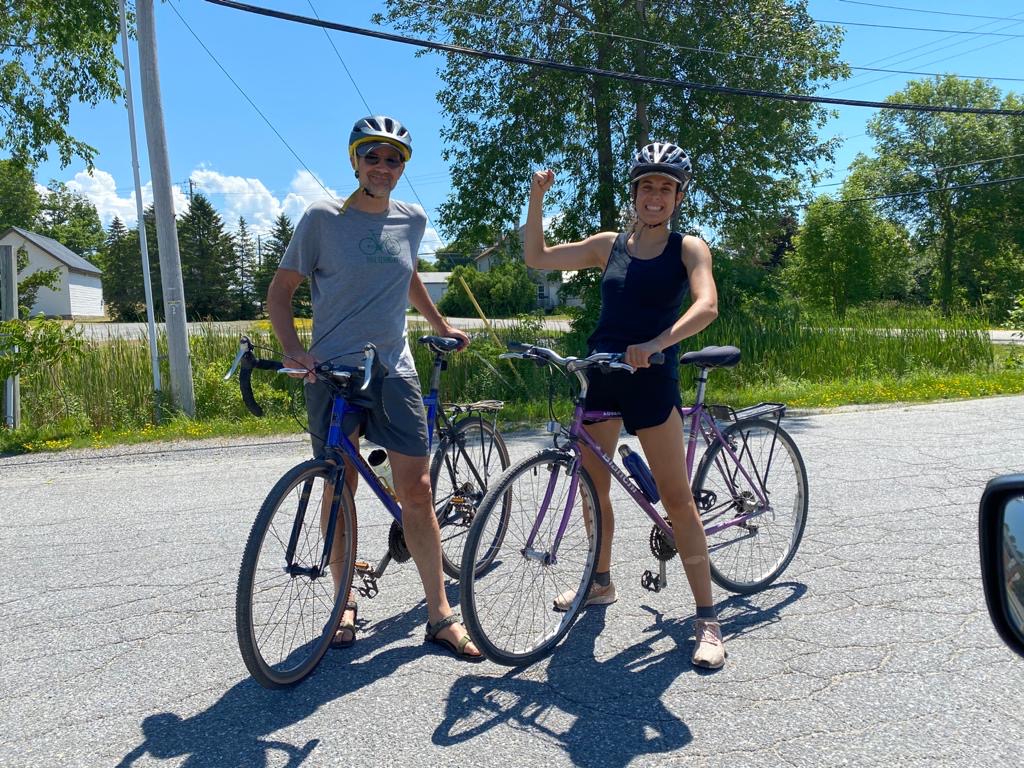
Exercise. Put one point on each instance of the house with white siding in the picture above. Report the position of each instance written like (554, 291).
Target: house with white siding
(436, 284)
(79, 293)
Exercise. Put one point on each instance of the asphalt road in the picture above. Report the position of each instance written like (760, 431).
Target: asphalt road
(873, 649)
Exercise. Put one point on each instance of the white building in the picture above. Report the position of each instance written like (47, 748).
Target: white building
(436, 284)
(79, 291)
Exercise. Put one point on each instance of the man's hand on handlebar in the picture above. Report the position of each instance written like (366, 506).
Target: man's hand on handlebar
(300, 358)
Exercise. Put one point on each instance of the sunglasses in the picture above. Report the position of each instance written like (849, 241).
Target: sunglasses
(390, 162)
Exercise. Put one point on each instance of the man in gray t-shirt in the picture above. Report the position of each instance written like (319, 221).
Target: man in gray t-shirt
(360, 258)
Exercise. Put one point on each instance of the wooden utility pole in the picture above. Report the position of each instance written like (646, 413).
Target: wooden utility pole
(163, 203)
(9, 283)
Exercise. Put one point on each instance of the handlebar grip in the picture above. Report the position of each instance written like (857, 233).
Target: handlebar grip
(248, 363)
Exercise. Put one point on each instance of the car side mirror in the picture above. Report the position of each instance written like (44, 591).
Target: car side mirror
(1001, 540)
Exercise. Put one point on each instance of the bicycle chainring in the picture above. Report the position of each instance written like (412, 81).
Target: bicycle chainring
(396, 544)
(661, 547)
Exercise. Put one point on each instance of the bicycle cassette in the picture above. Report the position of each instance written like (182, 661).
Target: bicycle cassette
(661, 547)
(396, 544)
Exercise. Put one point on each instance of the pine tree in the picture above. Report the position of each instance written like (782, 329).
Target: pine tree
(243, 293)
(122, 279)
(272, 251)
(207, 258)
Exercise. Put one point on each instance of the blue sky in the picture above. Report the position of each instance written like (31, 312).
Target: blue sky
(299, 82)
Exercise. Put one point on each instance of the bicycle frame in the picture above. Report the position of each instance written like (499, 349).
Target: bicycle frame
(578, 434)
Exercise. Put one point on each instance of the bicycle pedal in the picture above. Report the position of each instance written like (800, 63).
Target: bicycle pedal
(651, 582)
(369, 589)
(362, 566)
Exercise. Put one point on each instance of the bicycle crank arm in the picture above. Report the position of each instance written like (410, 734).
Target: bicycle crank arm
(369, 575)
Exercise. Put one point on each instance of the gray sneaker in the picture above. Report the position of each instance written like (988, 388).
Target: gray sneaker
(596, 596)
(709, 650)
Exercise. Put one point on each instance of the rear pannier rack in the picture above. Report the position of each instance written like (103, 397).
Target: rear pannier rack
(760, 411)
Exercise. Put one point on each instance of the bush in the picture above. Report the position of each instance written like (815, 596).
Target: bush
(506, 290)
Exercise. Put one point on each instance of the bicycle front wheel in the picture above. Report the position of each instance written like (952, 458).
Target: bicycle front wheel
(508, 606)
(750, 554)
(287, 606)
(467, 461)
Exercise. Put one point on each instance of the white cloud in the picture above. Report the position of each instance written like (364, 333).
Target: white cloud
(100, 188)
(305, 190)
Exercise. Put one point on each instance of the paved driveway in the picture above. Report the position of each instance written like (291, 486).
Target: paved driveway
(874, 648)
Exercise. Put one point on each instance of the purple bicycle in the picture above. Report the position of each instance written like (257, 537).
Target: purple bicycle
(750, 487)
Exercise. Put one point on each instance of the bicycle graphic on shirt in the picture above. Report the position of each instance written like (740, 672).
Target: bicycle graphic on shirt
(383, 243)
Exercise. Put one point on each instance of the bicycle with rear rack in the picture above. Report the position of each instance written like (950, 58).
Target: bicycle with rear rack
(750, 488)
(300, 560)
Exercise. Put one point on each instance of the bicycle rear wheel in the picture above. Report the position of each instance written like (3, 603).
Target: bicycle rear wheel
(466, 463)
(750, 555)
(508, 606)
(286, 606)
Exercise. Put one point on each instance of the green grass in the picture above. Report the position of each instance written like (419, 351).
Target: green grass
(104, 397)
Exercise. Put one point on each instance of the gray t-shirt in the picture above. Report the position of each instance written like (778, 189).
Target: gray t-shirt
(360, 266)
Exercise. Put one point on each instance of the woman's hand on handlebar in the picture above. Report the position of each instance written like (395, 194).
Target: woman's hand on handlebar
(639, 355)
(300, 358)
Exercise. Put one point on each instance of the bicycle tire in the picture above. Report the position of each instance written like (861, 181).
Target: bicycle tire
(749, 556)
(508, 606)
(279, 654)
(458, 490)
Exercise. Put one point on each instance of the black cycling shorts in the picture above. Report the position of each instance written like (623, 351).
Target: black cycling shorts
(645, 398)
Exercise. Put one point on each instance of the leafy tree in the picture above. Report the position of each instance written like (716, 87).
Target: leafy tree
(19, 200)
(71, 219)
(506, 119)
(454, 255)
(846, 254)
(971, 235)
(422, 265)
(503, 291)
(52, 55)
(207, 259)
(243, 268)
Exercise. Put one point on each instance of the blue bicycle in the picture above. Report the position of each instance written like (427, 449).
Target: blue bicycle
(300, 560)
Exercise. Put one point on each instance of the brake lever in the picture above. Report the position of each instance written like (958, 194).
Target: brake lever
(244, 345)
(369, 356)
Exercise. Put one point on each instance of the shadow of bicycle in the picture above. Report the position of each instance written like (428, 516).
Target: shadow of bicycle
(603, 711)
(233, 730)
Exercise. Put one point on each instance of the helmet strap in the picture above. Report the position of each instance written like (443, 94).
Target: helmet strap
(363, 189)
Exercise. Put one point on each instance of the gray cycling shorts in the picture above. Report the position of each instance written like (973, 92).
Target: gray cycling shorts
(393, 416)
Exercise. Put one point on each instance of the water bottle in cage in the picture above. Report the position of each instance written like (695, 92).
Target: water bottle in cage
(640, 473)
(378, 459)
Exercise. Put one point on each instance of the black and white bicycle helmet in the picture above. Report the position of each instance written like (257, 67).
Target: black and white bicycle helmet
(661, 159)
(372, 131)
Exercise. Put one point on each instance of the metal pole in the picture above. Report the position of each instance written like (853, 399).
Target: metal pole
(9, 279)
(143, 245)
(163, 203)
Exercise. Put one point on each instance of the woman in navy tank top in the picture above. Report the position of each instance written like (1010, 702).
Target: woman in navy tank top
(646, 274)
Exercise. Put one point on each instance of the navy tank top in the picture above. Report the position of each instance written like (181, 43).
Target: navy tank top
(640, 298)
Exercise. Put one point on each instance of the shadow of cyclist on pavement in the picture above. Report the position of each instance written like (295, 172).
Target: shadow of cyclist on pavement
(232, 731)
(614, 705)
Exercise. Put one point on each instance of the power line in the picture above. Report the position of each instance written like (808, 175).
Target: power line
(989, 183)
(611, 74)
(927, 10)
(913, 29)
(933, 61)
(694, 49)
(251, 102)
